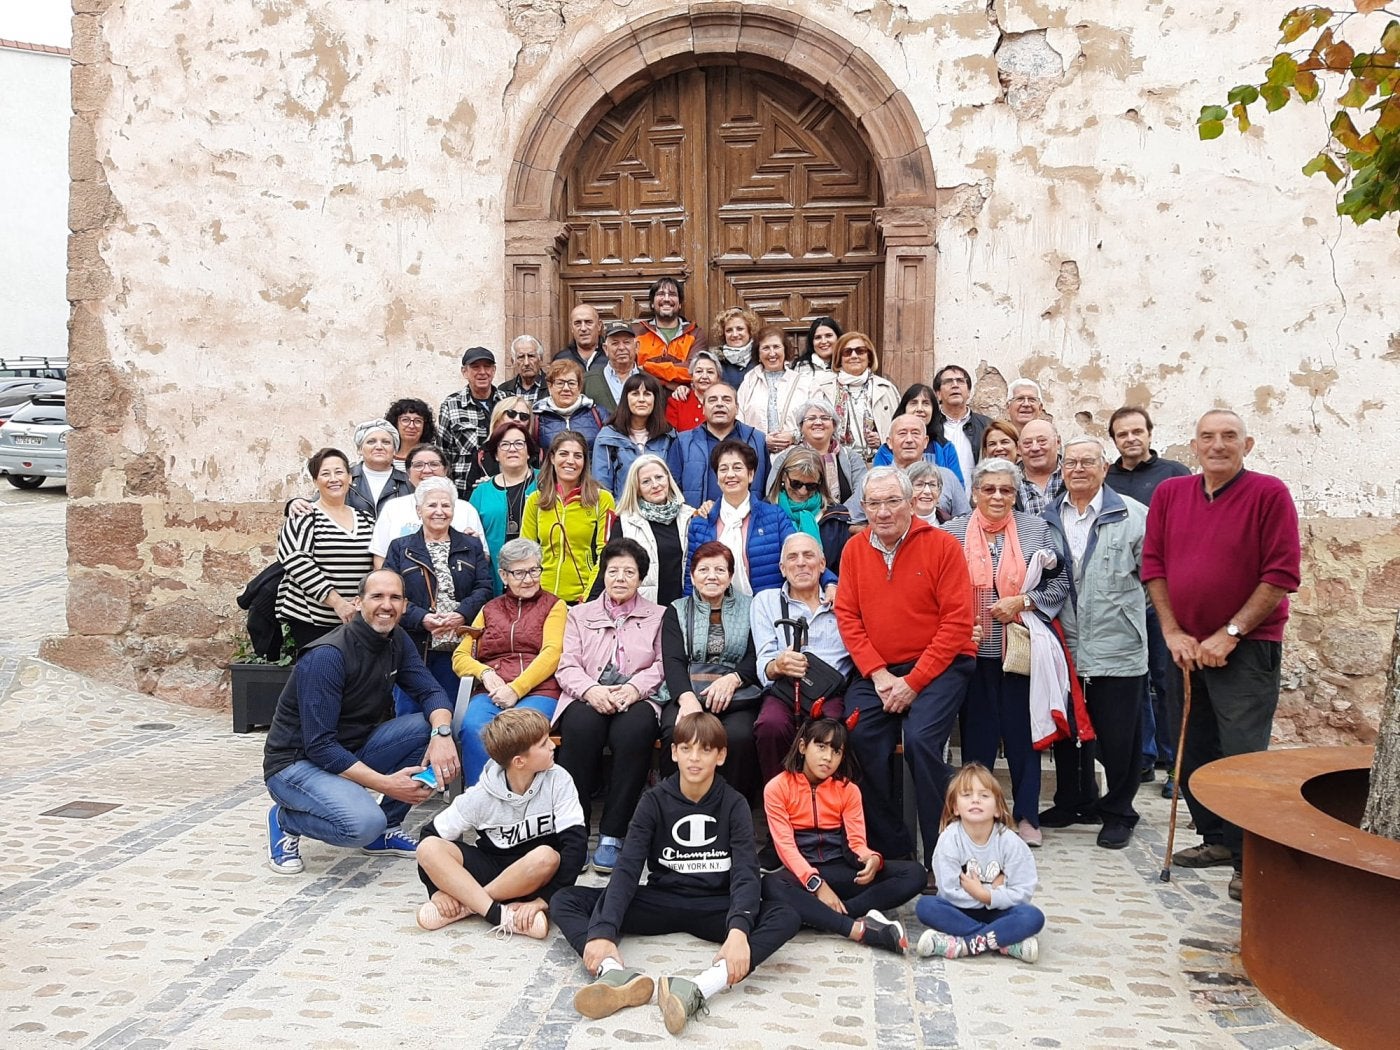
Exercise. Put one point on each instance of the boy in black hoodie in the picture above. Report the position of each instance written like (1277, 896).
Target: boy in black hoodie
(695, 836)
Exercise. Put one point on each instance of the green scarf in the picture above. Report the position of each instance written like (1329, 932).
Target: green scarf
(804, 514)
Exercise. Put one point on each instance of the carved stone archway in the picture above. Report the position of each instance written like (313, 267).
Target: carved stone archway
(764, 38)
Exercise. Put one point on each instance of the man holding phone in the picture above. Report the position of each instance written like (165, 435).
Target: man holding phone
(334, 739)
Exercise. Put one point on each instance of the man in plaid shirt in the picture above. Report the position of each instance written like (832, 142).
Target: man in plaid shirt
(465, 418)
(1042, 484)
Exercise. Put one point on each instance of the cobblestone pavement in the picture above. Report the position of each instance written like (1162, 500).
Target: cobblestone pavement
(154, 924)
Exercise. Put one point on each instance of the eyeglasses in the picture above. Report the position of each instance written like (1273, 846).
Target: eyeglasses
(1026, 399)
(521, 575)
(564, 384)
(515, 413)
(805, 486)
(427, 465)
(953, 381)
(410, 421)
(878, 505)
(511, 446)
(928, 485)
(816, 419)
(996, 490)
(1082, 464)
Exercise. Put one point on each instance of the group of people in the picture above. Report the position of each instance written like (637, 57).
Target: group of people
(778, 572)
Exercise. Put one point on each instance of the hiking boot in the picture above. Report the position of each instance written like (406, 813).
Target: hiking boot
(680, 1000)
(283, 850)
(1168, 785)
(935, 942)
(613, 991)
(1028, 951)
(393, 843)
(884, 933)
(1206, 855)
(1236, 889)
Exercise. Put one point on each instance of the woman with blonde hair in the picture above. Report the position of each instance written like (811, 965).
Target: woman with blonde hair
(652, 511)
(734, 341)
(569, 516)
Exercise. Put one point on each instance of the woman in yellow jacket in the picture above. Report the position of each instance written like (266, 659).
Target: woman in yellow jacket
(569, 516)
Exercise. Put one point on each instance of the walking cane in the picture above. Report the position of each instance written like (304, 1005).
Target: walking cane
(797, 633)
(1176, 775)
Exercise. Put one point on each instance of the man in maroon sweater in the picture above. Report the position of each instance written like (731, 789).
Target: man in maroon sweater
(1220, 559)
(904, 606)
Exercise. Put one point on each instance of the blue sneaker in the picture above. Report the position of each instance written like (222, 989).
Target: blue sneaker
(283, 850)
(393, 843)
(605, 856)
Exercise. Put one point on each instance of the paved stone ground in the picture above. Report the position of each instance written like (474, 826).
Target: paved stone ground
(155, 924)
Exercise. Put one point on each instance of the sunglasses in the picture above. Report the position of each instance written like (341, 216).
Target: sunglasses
(855, 351)
(805, 486)
(515, 413)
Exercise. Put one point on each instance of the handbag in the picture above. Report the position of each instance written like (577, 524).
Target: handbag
(705, 672)
(1017, 658)
(809, 693)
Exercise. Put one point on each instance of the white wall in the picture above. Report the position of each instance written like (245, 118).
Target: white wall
(33, 202)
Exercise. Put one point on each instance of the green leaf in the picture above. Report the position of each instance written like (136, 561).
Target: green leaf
(1307, 87)
(1275, 97)
(1325, 165)
(1212, 113)
(1244, 94)
(1282, 70)
(1210, 129)
(1358, 94)
(1241, 115)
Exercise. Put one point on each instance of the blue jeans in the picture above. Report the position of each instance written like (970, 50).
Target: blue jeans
(439, 665)
(1162, 715)
(480, 711)
(330, 808)
(1011, 925)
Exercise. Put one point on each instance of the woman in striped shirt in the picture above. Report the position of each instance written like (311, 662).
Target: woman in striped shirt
(324, 553)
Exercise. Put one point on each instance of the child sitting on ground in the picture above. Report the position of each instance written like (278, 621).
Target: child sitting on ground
(530, 834)
(694, 834)
(985, 876)
(817, 823)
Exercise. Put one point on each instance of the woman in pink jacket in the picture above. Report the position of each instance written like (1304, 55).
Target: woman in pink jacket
(609, 677)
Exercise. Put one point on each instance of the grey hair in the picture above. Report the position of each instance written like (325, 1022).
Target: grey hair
(1087, 439)
(995, 465)
(539, 346)
(369, 426)
(906, 487)
(430, 485)
(922, 468)
(1017, 384)
(821, 404)
(798, 537)
(516, 551)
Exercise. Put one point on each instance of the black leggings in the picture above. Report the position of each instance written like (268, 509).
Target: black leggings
(898, 882)
(630, 736)
(655, 911)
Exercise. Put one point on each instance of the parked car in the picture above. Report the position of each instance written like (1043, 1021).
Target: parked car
(34, 368)
(34, 443)
(17, 392)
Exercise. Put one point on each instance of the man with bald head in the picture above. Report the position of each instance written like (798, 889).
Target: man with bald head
(1042, 482)
(908, 442)
(586, 327)
(1220, 558)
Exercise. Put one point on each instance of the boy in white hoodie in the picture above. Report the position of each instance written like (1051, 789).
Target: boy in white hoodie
(530, 834)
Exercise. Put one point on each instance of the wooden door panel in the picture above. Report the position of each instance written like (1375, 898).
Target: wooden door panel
(792, 297)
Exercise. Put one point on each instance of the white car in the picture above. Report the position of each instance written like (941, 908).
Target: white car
(34, 443)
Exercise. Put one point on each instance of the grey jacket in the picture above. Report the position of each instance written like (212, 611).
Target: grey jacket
(1105, 618)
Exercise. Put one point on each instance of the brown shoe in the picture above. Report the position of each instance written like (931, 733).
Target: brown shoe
(1236, 889)
(1206, 855)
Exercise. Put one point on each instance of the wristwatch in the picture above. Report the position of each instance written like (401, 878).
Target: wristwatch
(813, 883)
(443, 730)
(1233, 631)
(1026, 601)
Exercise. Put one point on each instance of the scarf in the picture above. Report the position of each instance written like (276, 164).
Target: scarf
(804, 514)
(731, 534)
(774, 381)
(1011, 569)
(738, 356)
(660, 513)
(548, 405)
(831, 466)
(852, 408)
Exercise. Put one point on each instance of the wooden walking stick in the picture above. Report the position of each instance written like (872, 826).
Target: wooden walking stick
(1176, 775)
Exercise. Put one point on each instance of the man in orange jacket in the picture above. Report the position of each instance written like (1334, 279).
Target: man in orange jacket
(666, 343)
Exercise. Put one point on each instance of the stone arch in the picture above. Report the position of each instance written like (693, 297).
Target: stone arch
(777, 41)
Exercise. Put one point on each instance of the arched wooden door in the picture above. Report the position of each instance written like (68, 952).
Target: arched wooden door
(753, 189)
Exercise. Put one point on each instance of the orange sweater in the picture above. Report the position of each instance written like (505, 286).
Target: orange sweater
(814, 822)
(920, 611)
(667, 361)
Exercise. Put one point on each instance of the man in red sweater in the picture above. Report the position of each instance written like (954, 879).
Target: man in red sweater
(904, 606)
(1220, 558)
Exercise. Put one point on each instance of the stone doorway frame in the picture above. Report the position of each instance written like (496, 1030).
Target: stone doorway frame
(763, 38)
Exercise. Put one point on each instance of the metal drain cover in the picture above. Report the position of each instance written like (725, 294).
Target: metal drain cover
(81, 810)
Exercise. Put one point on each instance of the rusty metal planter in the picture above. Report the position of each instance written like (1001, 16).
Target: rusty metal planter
(1321, 915)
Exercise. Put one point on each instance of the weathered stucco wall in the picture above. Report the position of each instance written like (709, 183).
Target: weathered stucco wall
(289, 213)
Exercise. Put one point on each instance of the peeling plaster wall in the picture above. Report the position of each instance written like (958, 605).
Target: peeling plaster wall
(275, 205)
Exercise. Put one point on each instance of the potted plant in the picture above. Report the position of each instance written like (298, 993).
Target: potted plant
(257, 683)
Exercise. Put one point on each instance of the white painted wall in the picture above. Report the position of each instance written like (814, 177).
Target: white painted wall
(34, 120)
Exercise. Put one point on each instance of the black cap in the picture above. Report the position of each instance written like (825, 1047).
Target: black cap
(477, 353)
(616, 328)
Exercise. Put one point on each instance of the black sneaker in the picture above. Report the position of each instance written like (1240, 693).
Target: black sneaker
(884, 933)
(1059, 817)
(768, 860)
(1115, 836)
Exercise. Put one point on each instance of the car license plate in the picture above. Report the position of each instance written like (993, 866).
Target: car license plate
(24, 439)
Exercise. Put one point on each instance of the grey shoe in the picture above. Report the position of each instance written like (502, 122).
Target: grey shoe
(1206, 855)
(1027, 951)
(680, 1000)
(613, 991)
(1236, 889)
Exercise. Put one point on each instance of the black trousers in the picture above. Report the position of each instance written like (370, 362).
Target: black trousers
(630, 736)
(1115, 708)
(740, 767)
(655, 911)
(898, 882)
